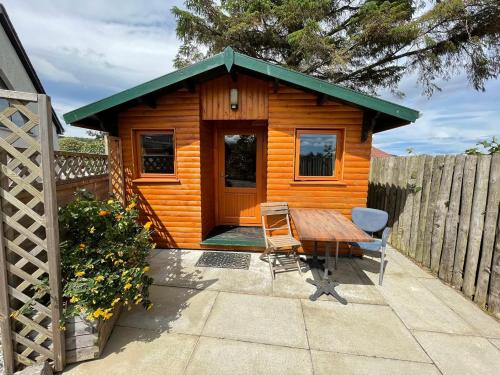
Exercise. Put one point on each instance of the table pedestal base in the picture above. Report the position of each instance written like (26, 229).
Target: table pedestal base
(325, 286)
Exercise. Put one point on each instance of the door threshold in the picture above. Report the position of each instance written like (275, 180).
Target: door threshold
(235, 236)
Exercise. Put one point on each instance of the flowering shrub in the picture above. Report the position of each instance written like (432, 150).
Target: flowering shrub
(104, 256)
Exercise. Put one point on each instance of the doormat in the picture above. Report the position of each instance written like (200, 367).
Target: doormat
(224, 260)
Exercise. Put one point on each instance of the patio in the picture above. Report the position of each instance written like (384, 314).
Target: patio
(227, 321)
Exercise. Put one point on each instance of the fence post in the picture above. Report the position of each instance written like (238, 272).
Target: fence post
(5, 328)
(52, 227)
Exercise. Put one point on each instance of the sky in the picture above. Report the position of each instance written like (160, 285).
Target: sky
(86, 50)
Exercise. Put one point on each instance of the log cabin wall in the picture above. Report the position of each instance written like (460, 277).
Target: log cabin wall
(291, 109)
(207, 177)
(183, 212)
(173, 207)
(252, 99)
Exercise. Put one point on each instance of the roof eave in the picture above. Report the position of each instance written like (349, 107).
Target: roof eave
(228, 58)
(327, 88)
(144, 89)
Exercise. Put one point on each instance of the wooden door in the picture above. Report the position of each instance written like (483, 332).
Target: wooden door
(240, 175)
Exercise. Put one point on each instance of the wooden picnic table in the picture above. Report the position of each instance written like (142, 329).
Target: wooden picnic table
(329, 226)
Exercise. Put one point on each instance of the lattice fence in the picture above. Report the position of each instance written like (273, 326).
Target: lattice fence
(116, 178)
(29, 237)
(72, 166)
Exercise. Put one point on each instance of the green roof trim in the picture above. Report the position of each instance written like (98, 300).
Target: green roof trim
(144, 88)
(324, 87)
(229, 58)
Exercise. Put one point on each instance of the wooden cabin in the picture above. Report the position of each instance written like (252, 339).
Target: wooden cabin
(203, 146)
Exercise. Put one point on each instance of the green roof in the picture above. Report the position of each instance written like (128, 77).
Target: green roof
(228, 58)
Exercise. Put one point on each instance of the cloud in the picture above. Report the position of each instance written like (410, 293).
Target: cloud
(51, 72)
(451, 120)
(84, 51)
(88, 50)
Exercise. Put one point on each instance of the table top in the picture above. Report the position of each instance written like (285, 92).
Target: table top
(326, 225)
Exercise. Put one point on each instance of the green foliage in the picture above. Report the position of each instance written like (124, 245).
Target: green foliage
(485, 148)
(363, 44)
(92, 145)
(103, 256)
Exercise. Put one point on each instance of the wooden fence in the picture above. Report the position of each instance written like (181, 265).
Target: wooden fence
(444, 213)
(80, 171)
(34, 180)
(29, 235)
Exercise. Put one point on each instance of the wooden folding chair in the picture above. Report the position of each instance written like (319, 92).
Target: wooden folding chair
(276, 218)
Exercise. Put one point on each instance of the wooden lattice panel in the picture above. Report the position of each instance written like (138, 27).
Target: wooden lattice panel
(29, 251)
(116, 178)
(71, 166)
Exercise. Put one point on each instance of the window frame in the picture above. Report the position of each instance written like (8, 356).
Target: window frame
(139, 174)
(339, 154)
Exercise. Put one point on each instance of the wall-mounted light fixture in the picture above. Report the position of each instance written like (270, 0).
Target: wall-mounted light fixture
(233, 94)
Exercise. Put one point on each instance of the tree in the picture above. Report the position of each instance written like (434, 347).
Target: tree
(362, 44)
(92, 145)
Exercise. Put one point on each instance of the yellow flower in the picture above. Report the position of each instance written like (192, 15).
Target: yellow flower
(120, 253)
(127, 286)
(62, 328)
(110, 201)
(137, 296)
(74, 299)
(92, 229)
(82, 246)
(119, 217)
(97, 313)
(80, 274)
(117, 262)
(137, 301)
(108, 315)
(148, 225)
(115, 301)
(94, 290)
(124, 273)
(99, 278)
(150, 306)
(131, 205)
(90, 317)
(146, 269)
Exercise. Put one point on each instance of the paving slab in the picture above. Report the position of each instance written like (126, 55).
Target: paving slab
(136, 351)
(179, 310)
(369, 330)
(326, 363)
(419, 309)
(177, 268)
(484, 324)
(261, 319)
(255, 280)
(353, 287)
(221, 356)
(291, 287)
(495, 342)
(409, 268)
(455, 354)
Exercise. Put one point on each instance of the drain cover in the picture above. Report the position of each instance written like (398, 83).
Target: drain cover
(224, 260)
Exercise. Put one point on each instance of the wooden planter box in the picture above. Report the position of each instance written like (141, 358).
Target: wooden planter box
(86, 339)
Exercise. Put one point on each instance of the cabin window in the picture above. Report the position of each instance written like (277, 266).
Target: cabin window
(318, 154)
(155, 153)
